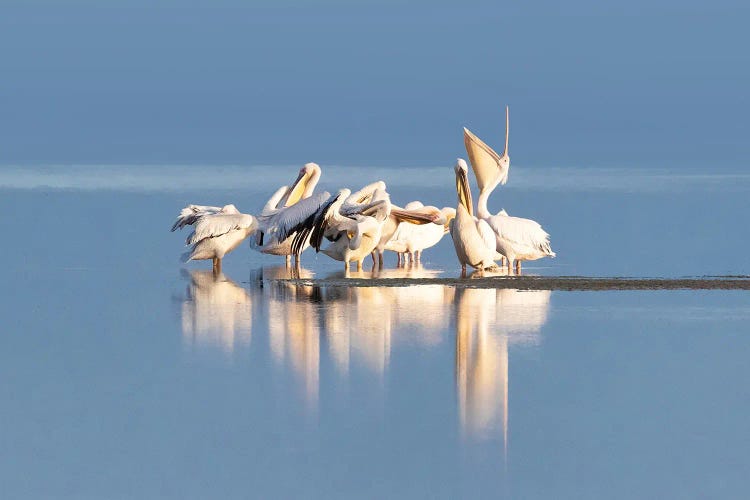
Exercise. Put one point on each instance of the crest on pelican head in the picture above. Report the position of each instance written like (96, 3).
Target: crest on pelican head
(489, 167)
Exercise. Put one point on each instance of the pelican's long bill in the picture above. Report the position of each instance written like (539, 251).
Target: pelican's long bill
(295, 193)
(463, 190)
(507, 131)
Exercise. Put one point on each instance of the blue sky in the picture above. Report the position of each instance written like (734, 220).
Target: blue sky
(636, 84)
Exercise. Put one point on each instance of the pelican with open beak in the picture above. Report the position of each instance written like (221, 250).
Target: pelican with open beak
(516, 239)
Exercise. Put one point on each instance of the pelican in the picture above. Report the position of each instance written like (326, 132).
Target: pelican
(517, 239)
(354, 222)
(411, 239)
(414, 215)
(285, 212)
(473, 238)
(217, 231)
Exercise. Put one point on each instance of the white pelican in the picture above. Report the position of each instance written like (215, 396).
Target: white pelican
(517, 239)
(218, 231)
(354, 223)
(473, 238)
(286, 212)
(415, 215)
(411, 239)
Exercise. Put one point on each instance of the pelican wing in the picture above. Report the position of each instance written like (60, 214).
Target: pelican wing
(294, 218)
(485, 162)
(323, 217)
(192, 213)
(487, 234)
(214, 225)
(522, 232)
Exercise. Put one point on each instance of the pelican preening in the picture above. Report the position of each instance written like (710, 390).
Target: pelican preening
(367, 223)
(289, 207)
(217, 231)
(354, 224)
(410, 239)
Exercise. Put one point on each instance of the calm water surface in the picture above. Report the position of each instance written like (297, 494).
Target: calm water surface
(123, 375)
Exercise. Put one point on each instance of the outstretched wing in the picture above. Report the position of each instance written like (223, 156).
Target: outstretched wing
(521, 232)
(192, 213)
(292, 219)
(214, 225)
(320, 222)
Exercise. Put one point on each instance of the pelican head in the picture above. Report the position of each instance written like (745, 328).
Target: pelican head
(449, 213)
(462, 185)
(304, 184)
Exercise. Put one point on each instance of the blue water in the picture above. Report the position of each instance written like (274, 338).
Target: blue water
(124, 375)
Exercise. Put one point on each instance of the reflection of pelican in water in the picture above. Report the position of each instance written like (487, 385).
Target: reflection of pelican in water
(216, 312)
(293, 327)
(361, 320)
(358, 323)
(487, 320)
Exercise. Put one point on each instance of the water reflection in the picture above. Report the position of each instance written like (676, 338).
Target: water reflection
(216, 312)
(293, 325)
(487, 321)
(362, 326)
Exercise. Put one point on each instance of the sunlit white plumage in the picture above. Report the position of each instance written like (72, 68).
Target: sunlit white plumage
(289, 209)
(353, 223)
(517, 239)
(411, 239)
(473, 238)
(415, 215)
(217, 231)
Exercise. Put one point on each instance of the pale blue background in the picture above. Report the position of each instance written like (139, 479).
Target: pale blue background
(589, 83)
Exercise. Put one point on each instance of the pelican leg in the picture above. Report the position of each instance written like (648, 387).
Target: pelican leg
(518, 266)
(359, 265)
(463, 270)
(288, 261)
(216, 265)
(374, 261)
(398, 259)
(380, 259)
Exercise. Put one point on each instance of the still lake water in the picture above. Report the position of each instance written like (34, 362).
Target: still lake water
(124, 375)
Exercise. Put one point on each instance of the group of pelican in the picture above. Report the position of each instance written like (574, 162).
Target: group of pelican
(365, 222)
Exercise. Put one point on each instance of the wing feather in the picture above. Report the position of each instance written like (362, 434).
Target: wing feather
(294, 218)
(322, 216)
(521, 232)
(214, 225)
(191, 213)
